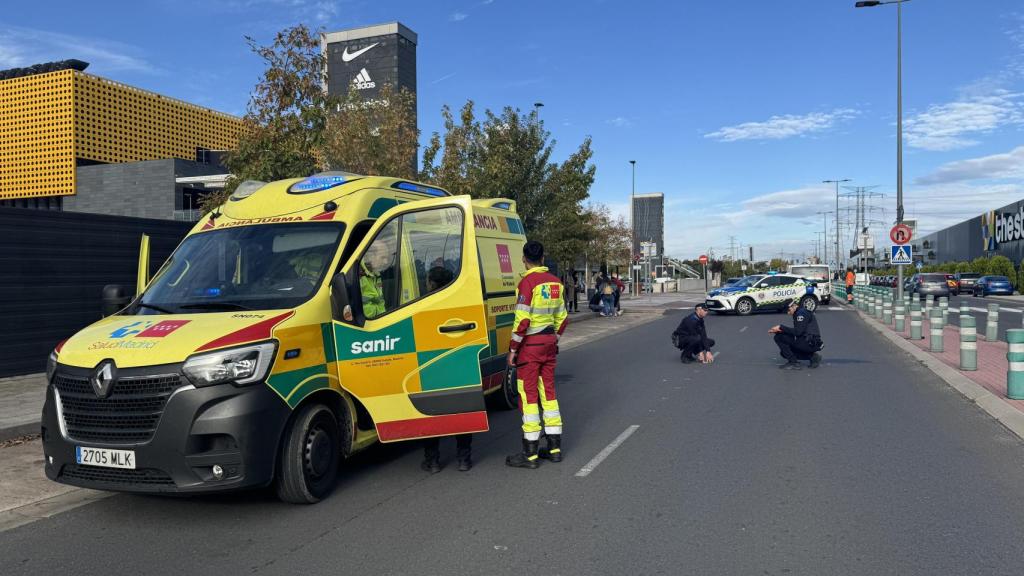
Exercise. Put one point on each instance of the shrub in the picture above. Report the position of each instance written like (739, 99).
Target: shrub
(980, 265)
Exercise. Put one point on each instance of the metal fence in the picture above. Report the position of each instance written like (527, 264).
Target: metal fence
(53, 266)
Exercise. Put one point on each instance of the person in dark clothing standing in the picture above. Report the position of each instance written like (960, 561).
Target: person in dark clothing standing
(802, 341)
(691, 337)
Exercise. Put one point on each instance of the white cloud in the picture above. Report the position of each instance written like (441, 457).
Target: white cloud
(785, 126)
(996, 166)
(797, 203)
(620, 122)
(953, 125)
(458, 16)
(26, 46)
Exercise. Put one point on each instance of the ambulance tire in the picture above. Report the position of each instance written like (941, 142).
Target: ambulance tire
(509, 399)
(310, 456)
(745, 306)
(809, 303)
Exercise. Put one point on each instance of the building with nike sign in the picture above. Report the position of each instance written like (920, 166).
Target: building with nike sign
(365, 59)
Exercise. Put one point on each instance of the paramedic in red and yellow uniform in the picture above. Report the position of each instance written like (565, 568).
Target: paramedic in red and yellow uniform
(539, 322)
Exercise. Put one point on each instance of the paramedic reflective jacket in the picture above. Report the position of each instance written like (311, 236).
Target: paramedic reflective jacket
(540, 308)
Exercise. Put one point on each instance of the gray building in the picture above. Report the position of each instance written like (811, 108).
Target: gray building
(997, 232)
(367, 58)
(649, 221)
(148, 189)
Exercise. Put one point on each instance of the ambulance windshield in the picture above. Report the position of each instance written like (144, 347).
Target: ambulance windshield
(262, 267)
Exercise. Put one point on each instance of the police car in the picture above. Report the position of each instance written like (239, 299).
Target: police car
(763, 292)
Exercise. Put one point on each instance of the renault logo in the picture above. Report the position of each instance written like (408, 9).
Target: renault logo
(103, 378)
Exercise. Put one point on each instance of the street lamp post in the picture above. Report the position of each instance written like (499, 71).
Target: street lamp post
(632, 230)
(824, 235)
(899, 117)
(839, 258)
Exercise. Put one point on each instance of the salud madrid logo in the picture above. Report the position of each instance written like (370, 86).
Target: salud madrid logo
(1000, 227)
(362, 81)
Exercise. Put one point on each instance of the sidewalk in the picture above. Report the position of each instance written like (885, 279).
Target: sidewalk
(986, 386)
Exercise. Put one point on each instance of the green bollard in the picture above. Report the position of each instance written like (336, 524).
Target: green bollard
(887, 313)
(992, 323)
(900, 317)
(968, 343)
(953, 312)
(1015, 356)
(944, 307)
(929, 303)
(880, 308)
(915, 321)
(935, 330)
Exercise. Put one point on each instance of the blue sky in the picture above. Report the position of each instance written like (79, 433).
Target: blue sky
(735, 110)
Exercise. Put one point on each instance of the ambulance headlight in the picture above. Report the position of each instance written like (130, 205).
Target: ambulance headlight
(240, 366)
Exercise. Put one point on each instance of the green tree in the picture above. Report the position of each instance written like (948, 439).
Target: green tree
(778, 264)
(568, 230)
(1002, 266)
(608, 240)
(284, 123)
(980, 265)
(375, 138)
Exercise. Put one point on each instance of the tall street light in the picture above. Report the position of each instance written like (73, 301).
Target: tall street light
(824, 235)
(899, 117)
(632, 230)
(839, 258)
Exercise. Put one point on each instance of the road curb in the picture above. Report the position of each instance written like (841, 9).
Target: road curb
(993, 405)
(10, 432)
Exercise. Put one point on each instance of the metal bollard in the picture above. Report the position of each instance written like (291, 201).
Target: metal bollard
(900, 317)
(992, 323)
(935, 329)
(880, 308)
(968, 343)
(887, 313)
(944, 307)
(1015, 356)
(915, 321)
(929, 303)
(870, 302)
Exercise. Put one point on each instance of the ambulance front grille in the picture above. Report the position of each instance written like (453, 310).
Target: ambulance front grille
(128, 416)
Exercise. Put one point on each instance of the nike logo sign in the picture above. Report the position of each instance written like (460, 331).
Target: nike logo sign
(346, 57)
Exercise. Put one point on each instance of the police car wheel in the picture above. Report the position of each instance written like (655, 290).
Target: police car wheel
(745, 306)
(310, 456)
(809, 304)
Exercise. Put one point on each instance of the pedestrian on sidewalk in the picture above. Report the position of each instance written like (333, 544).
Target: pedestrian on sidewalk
(540, 319)
(850, 279)
(619, 289)
(607, 290)
(691, 337)
(802, 341)
(574, 286)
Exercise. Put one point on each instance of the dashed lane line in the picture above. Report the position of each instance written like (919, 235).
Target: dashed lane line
(586, 470)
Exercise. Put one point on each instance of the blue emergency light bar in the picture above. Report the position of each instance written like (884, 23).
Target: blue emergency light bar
(410, 187)
(317, 183)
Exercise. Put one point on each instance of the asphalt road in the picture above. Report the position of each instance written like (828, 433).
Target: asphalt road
(868, 465)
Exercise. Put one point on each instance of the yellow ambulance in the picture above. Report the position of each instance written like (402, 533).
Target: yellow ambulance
(302, 321)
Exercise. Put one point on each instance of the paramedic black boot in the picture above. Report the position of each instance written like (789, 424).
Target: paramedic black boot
(527, 458)
(554, 450)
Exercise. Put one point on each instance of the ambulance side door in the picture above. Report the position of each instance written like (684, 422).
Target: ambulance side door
(411, 351)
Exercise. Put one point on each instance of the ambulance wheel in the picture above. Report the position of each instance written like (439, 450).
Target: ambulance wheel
(310, 456)
(809, 303)
(509, 390)
(745, 306)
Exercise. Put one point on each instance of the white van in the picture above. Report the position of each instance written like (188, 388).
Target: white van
(820, 273)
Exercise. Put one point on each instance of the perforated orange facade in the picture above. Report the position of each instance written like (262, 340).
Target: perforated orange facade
(50, 121)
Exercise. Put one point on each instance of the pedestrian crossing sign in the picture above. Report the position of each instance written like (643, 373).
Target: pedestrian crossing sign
(902, 254)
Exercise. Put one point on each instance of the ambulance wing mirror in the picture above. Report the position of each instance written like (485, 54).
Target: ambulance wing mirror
(341, 307)
(114, 298)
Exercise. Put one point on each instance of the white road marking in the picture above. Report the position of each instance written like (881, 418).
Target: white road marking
(586, 470)
(744, 329)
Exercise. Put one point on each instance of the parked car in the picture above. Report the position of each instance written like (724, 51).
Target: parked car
(933, 283)
(989, 285)
(965, 282)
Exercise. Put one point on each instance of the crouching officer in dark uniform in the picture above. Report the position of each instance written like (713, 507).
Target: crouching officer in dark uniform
(692, 337)
(802, 341)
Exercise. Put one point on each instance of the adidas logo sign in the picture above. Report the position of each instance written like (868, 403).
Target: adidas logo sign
(362, 81)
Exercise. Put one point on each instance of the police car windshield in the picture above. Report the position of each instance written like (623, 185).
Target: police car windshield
(262, 267)
(748, 281)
